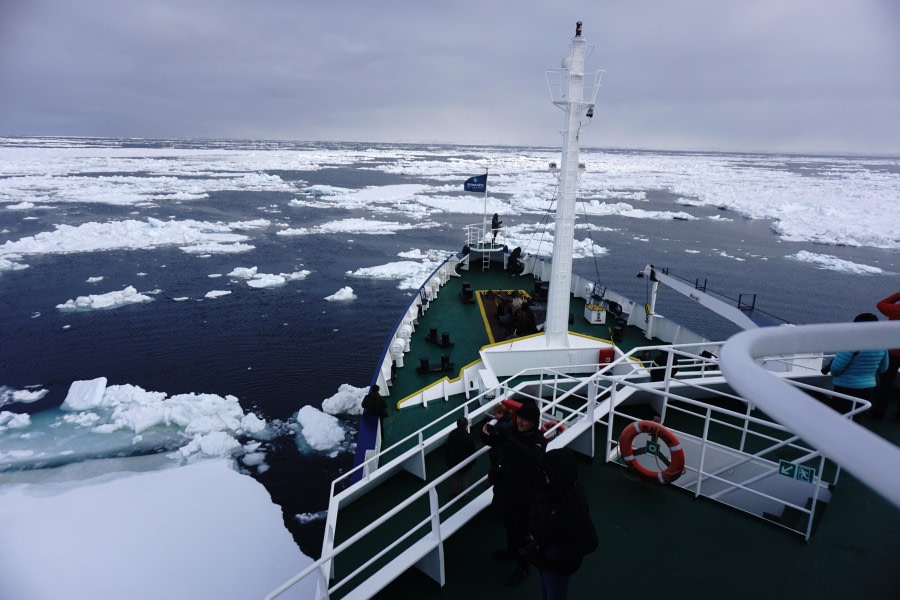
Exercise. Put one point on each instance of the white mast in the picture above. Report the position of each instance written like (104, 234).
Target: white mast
(569, 97)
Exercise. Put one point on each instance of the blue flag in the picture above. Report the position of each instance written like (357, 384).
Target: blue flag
(476, 184)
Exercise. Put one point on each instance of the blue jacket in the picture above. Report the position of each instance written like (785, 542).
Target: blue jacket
(858, 370)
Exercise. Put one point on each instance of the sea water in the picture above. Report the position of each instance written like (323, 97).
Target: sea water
(815, 238)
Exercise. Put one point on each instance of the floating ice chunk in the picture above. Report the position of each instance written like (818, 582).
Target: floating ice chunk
(20, 206)
(206, 505)
(11, 420)
(310, 204)
(254, 459)
(216, 248)
(255, 224)
(266, 280)
(586, 248)
(343, 294)
(244, 272)
(85, 395)
(94, 279)
(360, 226)
(326, 190)
(82, 419)
(321, 431)
(253, 425)
(9, 395)
(347, 400)
(216, 443)
(217, 293)
(296, 275)
(10, 263)
(130, 235)
(464, 205)
(833, 263)
(100, 301)
(304, 518)
(412, 274)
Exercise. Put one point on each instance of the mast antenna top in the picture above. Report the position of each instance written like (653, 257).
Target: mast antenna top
(578, 29)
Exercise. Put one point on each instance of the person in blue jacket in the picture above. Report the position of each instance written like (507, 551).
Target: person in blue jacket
(856, 373)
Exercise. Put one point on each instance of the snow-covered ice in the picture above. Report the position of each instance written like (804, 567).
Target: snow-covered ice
(833, 263)
(320, 430)
(347, 400)
(342, 295)
(127, 528)
(103, 301)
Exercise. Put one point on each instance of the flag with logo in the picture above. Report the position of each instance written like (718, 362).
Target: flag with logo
(476, 184)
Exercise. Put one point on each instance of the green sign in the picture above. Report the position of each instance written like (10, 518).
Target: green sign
(798, 472)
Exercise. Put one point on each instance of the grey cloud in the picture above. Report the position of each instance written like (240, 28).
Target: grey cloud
(767, 75)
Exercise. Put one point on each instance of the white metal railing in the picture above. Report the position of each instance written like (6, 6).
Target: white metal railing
(322, 565)
(595, 397)
(870, 458)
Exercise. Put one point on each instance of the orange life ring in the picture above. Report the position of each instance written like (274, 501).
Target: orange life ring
(676, 463)
(546, 426)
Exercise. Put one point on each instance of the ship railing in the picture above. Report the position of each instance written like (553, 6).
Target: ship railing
(726, 474)
(595, 397)
(870, 458)
(698, 375)
(433, 434)
(438, 528)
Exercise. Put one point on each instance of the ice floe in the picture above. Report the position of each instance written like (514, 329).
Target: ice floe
(189, 543)
(9, 395)
(359, 226)
(320, 431)
(347, 400)
(833, 263)
(97, 419)
(191, 236)
(255, 279)
(104, 301)
(342, 295)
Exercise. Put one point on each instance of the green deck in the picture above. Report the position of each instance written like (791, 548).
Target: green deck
(465, 324)
(663, 541)
(653, 539)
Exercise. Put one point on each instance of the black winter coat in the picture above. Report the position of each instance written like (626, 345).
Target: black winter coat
(459, 447)
(560, 523)
(519, 468)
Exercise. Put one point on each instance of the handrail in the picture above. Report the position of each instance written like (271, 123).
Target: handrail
(397, 509)
(604, 374)
(871, 459)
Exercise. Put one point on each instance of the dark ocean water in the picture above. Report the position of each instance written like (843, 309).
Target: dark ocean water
(280, 349)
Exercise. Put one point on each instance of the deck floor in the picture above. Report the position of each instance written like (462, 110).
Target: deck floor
(662, 540)
(465, 325)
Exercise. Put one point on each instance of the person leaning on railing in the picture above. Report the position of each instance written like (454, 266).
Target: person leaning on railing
(855, 373)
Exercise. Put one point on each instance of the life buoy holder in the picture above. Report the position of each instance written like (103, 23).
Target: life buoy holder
(675, 464)
(546, 426)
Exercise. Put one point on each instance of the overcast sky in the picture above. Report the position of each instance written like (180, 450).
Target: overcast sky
(772, 75)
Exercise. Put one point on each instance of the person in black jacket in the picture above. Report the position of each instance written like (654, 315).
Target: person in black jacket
(516, 487)
(561, 532)
(459, 447)
(495, 226)
(374, 404)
